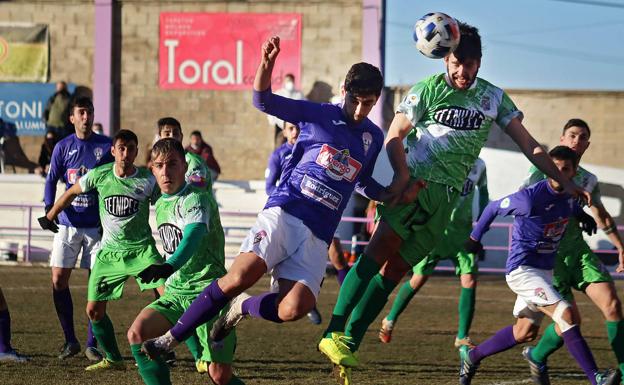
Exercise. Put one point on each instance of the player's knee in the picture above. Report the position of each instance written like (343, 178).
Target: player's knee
(562, 316)
(525, 332)
(613, 309)
(134, 334)
(468, 281)
(94, 313)
(292, 311)
(220, 374)
(59, 282)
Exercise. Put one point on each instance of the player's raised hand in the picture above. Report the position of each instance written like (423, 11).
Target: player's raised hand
(620, 267)
(155, 272)
(587, 223)
(270, 50)
(47, 224)
(573, 189)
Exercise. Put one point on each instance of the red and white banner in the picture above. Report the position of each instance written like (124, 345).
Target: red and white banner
(221, 51)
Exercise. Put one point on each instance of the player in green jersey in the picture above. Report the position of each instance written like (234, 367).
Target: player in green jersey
(445, 120)
(450, 247)
(578, 268)
(190, 229)
(125, 193)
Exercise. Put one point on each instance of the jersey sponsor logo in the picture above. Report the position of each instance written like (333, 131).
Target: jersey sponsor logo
(339, 122)
(459, 118)
(73, 174)
(367, 140)
(170, 235)
(84, 200)
(540, 293)
(260, 235)
(338, 164)
(98, 152)
(121, 206)
(320, 192)
(555, 229)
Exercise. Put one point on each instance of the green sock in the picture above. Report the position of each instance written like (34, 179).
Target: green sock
(403, 298)
(153, 372)
(105, 335)
(193, 345)
(235, 381)
(369, 307)
(547, 345)
(615, 333)
(351, 291)
(466, 310)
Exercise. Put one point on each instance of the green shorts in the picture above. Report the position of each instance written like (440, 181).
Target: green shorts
(172, 306)
(576, 267)
(451, 247)
(421, 223)
(112, 268)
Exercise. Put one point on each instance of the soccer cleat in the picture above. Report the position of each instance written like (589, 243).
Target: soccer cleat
(159, 346)
(466, 341)
(93, 354)
(201, 366)
(342, 374)
(336, 348)
(13, 356)
(608, 377)
(69, 349)
(385, 333)
(467, 369)
(315, 317)
(224, 324)
(106, 364)
(539, 371)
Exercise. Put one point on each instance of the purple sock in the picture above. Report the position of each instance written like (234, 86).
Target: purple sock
(577, 346)
(341, 274)
(499, 342)
(65, 312)
(262, 306)
(5, 331)
(204, 308)
(91, 341)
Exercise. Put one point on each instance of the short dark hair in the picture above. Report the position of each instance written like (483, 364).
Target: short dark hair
(564, 153)
(196, 132)
(168, 121)
(364, 79)
(576, 122)
(167, 146)
(83, 102)
(469, 43)
(126, 136)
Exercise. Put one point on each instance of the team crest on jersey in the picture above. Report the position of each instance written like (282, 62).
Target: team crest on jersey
(367, 140)
(260, 235)
(338, 164)
(486, 103)
(541, 293)
(98, 152)
(505, 203)
(73, 174)
(459, 118)
(170, 235)
(410, 100)
(121, 206)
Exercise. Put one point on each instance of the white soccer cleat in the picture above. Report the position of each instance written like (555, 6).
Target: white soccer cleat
(160, 345)
(224, 324)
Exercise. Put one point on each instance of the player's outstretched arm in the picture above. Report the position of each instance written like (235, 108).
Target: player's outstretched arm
(536, 154)
(399, 128)
(270, 50)
(607, 224)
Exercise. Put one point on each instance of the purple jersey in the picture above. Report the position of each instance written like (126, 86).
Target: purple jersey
(330, 159)
(277, 163)
(71, 159)
(541, 216)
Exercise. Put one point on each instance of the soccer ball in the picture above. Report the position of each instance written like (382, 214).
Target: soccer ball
(436, 35)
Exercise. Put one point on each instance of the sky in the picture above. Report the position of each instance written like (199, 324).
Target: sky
(527, 44)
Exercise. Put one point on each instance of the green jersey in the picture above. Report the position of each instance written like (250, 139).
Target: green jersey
(477, 178)
(451, 126)
(589, 183)
(123, 205)
(174, 212)
(197, 173)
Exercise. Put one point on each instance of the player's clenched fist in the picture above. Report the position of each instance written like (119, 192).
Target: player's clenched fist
(47, 224)
(155, 272)
(270, 50)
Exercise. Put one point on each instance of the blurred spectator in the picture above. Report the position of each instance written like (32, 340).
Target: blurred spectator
(288, 90)
(279, 157)
(203, 149)
(98, 128)
(45, 155)
(56, 113)
(11, 152)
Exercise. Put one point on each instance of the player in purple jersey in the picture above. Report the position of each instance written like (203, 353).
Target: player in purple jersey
(335, 153)
(541, 215)
(79, 224)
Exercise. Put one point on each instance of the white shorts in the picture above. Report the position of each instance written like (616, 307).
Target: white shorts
(68, 242)
(534, 288)
(288, 248)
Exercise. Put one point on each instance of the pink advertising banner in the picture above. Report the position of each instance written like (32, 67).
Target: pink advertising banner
(221, 51)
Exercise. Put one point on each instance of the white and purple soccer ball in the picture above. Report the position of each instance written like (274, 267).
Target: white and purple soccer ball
(436, 35)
